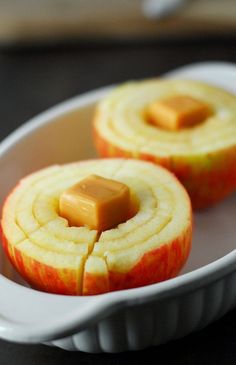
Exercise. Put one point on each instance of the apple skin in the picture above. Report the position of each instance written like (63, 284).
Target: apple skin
(95, 284)
(207, 178)
(40, 276)
(171, 255)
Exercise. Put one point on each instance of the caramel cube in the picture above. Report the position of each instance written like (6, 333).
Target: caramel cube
(96, 202)
(178, 112)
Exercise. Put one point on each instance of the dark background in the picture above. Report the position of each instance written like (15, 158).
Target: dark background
(35, 78)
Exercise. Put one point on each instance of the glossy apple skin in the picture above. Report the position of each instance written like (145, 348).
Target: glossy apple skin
(163, 263)
(208, 178)
(95, 284)
(40, 276)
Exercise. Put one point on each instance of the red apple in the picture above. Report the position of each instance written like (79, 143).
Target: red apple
(151, 246)
(203, 156)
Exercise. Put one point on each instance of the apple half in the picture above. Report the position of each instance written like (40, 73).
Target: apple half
(203, 156)
(52, 256)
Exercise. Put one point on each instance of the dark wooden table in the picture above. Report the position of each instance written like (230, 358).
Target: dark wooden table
(35, 78)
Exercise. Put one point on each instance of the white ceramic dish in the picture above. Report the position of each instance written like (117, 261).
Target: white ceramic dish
(129, 319)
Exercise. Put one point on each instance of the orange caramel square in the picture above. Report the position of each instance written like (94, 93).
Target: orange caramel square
(178, 112)
(96, 202)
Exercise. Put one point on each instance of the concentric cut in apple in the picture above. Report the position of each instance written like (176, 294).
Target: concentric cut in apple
(151, 245)
(184, 125)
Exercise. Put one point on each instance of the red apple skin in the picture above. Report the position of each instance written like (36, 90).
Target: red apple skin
(206, 185)
(95, 284)
(40, 276)
(157, 265)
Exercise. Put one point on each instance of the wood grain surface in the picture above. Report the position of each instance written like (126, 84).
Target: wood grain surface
(28, 20)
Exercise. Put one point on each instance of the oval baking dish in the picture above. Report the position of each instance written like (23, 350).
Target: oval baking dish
(128, 319)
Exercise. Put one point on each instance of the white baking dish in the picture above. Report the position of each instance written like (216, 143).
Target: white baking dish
(130, 319)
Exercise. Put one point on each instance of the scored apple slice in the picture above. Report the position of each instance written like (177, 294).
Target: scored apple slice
(186, 126)
(149, 246)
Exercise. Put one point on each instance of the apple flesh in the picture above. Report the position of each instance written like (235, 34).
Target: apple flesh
(151, 246)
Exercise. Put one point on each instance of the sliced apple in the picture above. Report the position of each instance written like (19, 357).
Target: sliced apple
(151, 245)
(202, 156)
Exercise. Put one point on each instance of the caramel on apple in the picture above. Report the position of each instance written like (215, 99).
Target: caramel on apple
(178, 112)
(96, 202)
